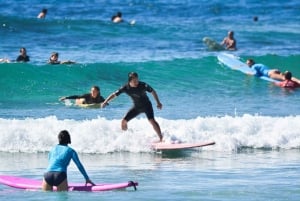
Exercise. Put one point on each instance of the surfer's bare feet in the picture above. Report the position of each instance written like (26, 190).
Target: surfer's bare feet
(124, 125)
(160, 137)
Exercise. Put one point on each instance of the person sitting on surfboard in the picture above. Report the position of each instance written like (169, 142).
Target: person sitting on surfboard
(137, 91)
(229, 41)
(23, 57)
(90, 98)
(59, 159)
(54, 59)
(288, 82)
(262, 70)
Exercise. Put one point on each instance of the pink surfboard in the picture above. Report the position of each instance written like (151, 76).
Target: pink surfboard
(161, 146)
(33, 184)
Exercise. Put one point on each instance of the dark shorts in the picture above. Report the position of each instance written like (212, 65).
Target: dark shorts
(135, 111)
(55, 178)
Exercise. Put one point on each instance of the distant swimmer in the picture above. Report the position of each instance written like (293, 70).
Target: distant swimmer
(59, 159)
(141, 103)
(262, 70)
(288, 82)
(43, 13)
(23, 57)
(117, 18)
(229, 41)
(54, 59)
(89, 98)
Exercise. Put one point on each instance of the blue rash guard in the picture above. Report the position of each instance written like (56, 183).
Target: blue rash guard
(261, 70)
(60, 157)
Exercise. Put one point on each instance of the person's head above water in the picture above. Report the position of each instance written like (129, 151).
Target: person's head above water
(64, 137)
(250, 62)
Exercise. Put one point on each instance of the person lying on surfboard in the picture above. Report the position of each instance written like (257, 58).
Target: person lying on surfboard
(137, 91)
(59, 159)
(288, 82)
(262, 70)
(54, 59)
(90, 98)
(229, 41)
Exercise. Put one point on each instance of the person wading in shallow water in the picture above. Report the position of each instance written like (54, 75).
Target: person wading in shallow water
(59, 159)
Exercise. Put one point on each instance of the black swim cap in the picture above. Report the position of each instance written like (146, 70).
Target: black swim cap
(64, 137)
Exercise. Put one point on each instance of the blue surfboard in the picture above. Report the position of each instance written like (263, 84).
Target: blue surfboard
(233, 62)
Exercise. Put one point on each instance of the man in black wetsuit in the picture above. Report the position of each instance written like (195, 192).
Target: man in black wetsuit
(89, 98)
(137, 91)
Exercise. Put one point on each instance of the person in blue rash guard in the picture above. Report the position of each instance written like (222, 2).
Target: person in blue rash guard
(262, 70)
(59, 159)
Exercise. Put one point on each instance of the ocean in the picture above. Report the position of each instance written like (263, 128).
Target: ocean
(254, 123)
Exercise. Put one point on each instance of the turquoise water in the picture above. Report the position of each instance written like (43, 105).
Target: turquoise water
(254, 123)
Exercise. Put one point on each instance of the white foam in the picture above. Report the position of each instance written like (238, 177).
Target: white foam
(104, 136)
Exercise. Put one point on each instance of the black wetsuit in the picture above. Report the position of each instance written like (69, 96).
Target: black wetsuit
(53, 62)
(22, 58)
(88, 98)
(140, 99)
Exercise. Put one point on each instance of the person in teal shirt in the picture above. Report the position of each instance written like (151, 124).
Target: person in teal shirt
(59, 159)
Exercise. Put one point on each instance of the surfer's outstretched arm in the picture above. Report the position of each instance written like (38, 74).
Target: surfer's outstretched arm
(109, 98)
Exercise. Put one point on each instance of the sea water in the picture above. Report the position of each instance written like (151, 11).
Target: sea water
(255, 124)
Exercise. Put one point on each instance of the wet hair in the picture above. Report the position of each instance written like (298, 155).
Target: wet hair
(96, 87)
(119, 14)
(64, 137)
(251, 61)
(288, 75)
(132, 75)
(22, 48)
(54, 54)
(45, 10)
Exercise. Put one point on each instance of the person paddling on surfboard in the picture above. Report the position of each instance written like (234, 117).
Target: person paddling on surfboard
(59, 159)
(137, 91)
(54, 59)
(262, 70)
(90, 98)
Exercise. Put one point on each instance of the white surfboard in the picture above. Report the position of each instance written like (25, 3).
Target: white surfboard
(233, 62)
(212, 44)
